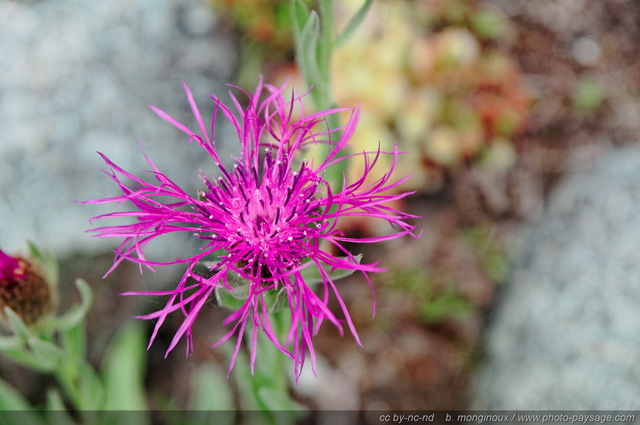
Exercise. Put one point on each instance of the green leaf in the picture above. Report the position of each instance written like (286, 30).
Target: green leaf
(307, 37)
(16, 325)
(15, 409)
(241, 374)
(47, 261)
(59, 417)
(23, 356)
(312, 274)
(90, 387)
(227, 299)
(77, 313)
(325, 46)
(76, 376)
(209, 389)
(300, 15)
(22, 417)
(307, 51)
(353, 23)
(10, 343)
(10, 399)
(123, 370)
(210, 399)
(270, 361)
(268, 389)
(208, 417)
(74, 343)
(56, 410)
(277, 400)
(235, 298)
(48, 354)
(54, 400)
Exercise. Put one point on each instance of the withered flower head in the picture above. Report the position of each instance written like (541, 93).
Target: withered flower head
(23, 289)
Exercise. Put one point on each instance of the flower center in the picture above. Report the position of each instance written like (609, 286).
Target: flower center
(263, 215)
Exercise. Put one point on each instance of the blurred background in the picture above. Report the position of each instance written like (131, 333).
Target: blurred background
(521, 120)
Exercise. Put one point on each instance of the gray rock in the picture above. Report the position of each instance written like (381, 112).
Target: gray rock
(76, 78)
(566, 333)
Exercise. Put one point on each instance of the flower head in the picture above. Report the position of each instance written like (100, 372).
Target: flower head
(271, 212)
(23, 289)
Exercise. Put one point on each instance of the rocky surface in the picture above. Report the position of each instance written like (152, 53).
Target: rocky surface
(565, 333)
(76, 78)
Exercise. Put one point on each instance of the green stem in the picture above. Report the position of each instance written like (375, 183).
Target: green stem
(324, 99)
(268, 390)
(281, 328)
(325, 48)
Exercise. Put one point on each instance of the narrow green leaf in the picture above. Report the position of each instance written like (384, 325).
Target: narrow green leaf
(46, 352)
(22, 417)
(123, 370)
(59, 417)
(209, 390)
(90, 387)
(74, 343)
(10, 343)
(325, 44)
(241, 374)
(209, 417)
(15, 409)
(10, 399)
(269, 371)
(307, 49)
(24, 357)
(353, 23)
(56, 410)
(278, 400)
(16, 325)
(300, 15)
(54, 400)
(312, 50)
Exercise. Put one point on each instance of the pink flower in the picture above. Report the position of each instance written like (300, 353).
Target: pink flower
(12, 269)
(272, 213)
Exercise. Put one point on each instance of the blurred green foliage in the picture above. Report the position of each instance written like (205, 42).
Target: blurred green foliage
(436, 298)
(491, 256)
(433, 75)
(116, 392)
(432, 305)
(588, 95)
